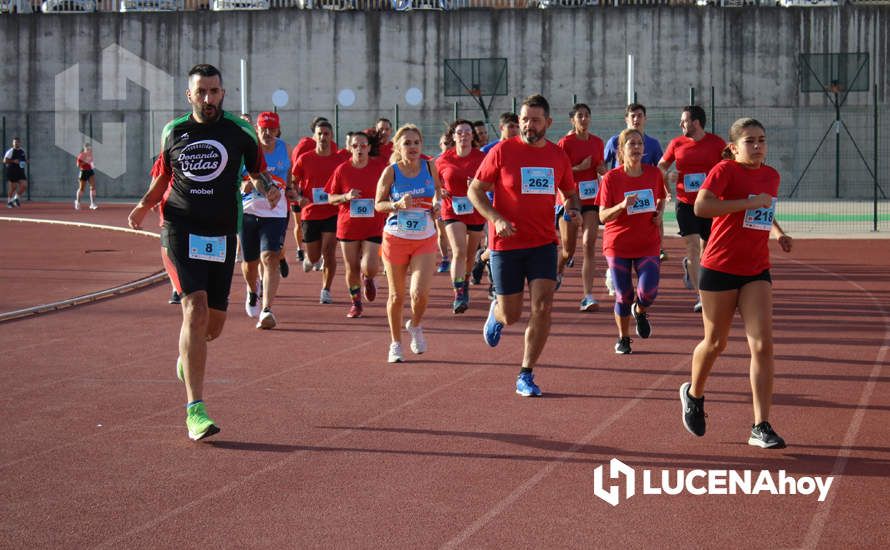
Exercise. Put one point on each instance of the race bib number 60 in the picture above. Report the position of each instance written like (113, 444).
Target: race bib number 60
(319, 196)
(538, 181)
(645, 202)
(760, 218)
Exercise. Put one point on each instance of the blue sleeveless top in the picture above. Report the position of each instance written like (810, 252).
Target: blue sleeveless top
(412, 223)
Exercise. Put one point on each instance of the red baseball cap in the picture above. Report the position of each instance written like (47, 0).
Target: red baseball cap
(268, 119)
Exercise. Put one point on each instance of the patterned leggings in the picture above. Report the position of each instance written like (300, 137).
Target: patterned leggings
(648, 272)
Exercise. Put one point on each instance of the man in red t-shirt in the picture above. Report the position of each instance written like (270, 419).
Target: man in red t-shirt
(695, 153)
(319, 218)
(524, 173)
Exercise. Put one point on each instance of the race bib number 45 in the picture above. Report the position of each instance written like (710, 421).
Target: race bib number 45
(210, 249)
(692, 182)
(538, 181)
(760, 218)
(645, 202)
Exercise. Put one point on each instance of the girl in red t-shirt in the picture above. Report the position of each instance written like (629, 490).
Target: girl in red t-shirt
(463, 225)
(359, 227)
(86, 174)
(739, 193)
(585, 150)
(631, 201)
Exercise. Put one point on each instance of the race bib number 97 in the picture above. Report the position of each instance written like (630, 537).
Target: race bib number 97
(645, 202)
(412, 221)
(210, 249)
(538, 181)
(361, 208)
(760, 218)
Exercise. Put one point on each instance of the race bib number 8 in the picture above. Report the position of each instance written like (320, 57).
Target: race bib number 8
(588, 189)
(692, 182)
(412, 221)
(319, 196)
(210, 249)
(760, 218)
(538, 181)
(645, 202)
(361, 208)
(461, 205)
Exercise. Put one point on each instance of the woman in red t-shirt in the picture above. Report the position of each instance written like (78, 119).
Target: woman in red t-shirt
(463, 225)
(586, 153)
(359, 227)
(86, 174)
(739, 193)
(631, 201)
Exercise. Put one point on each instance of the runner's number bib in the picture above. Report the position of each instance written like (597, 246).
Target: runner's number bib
(645, 202)
(461, 205)
(588, 189)
(692, 182)
(538, 181)
(211, 249)
(760, 218)
(319, 196)
(412, 220)
(361, 208)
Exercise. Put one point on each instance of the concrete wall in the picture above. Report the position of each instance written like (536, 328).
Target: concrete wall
(750, 57)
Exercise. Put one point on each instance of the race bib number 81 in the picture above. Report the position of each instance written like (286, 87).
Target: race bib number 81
(538, 181)
(760, 218)
(645, 202)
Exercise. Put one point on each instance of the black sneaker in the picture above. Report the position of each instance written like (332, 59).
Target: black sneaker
(175, 298)
(478, 268)
(644, 329)
(18, 204)
(283, 268)
(622, 346)
(300, 255)
(693, 411)
(762, 435)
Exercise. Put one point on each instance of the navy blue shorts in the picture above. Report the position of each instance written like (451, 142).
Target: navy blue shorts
(511, 268)
(260, 234)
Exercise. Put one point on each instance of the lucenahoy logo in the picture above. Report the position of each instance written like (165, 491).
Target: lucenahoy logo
(203, 161)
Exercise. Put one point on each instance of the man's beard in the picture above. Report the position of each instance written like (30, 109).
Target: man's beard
(211, 112)
(530, 136)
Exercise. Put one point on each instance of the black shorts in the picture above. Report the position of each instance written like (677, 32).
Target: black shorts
(260, 234)
(717, 281)
(15, 173)
(470, 226)
(191, 275)
(376, 240)
(86, 174)
(312, 229)
(690, 224)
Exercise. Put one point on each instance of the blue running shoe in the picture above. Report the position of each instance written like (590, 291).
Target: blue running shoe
(444, 266)
(525, 385)
(492, 329)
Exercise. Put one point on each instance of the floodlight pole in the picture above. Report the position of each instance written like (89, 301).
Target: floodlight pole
(631, 94)
(875, 174)
(244, 86)
(837, 145)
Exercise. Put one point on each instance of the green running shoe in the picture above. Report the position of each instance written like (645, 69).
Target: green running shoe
(199, 424)
(179, 369)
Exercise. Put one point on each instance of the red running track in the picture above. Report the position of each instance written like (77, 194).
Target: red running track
(324, 444)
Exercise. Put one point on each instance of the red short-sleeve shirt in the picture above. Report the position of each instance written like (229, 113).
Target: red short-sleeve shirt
(694, 159)
(632, 235)
(456, 172)
(311, 174)
(525, 180)
(734, 248)
(357, 219)
(577, 150)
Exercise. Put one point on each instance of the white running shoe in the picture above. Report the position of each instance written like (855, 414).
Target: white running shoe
(307, 264)
(267, 319)
(395, 353)
(77, 205)
(94, 206)
(252, 304)
(418, 342)
(325, 297)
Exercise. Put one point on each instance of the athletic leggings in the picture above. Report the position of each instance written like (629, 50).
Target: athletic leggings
(648, 272)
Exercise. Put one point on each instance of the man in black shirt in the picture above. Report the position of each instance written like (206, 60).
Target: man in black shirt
(15, 161)
(200, 161)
